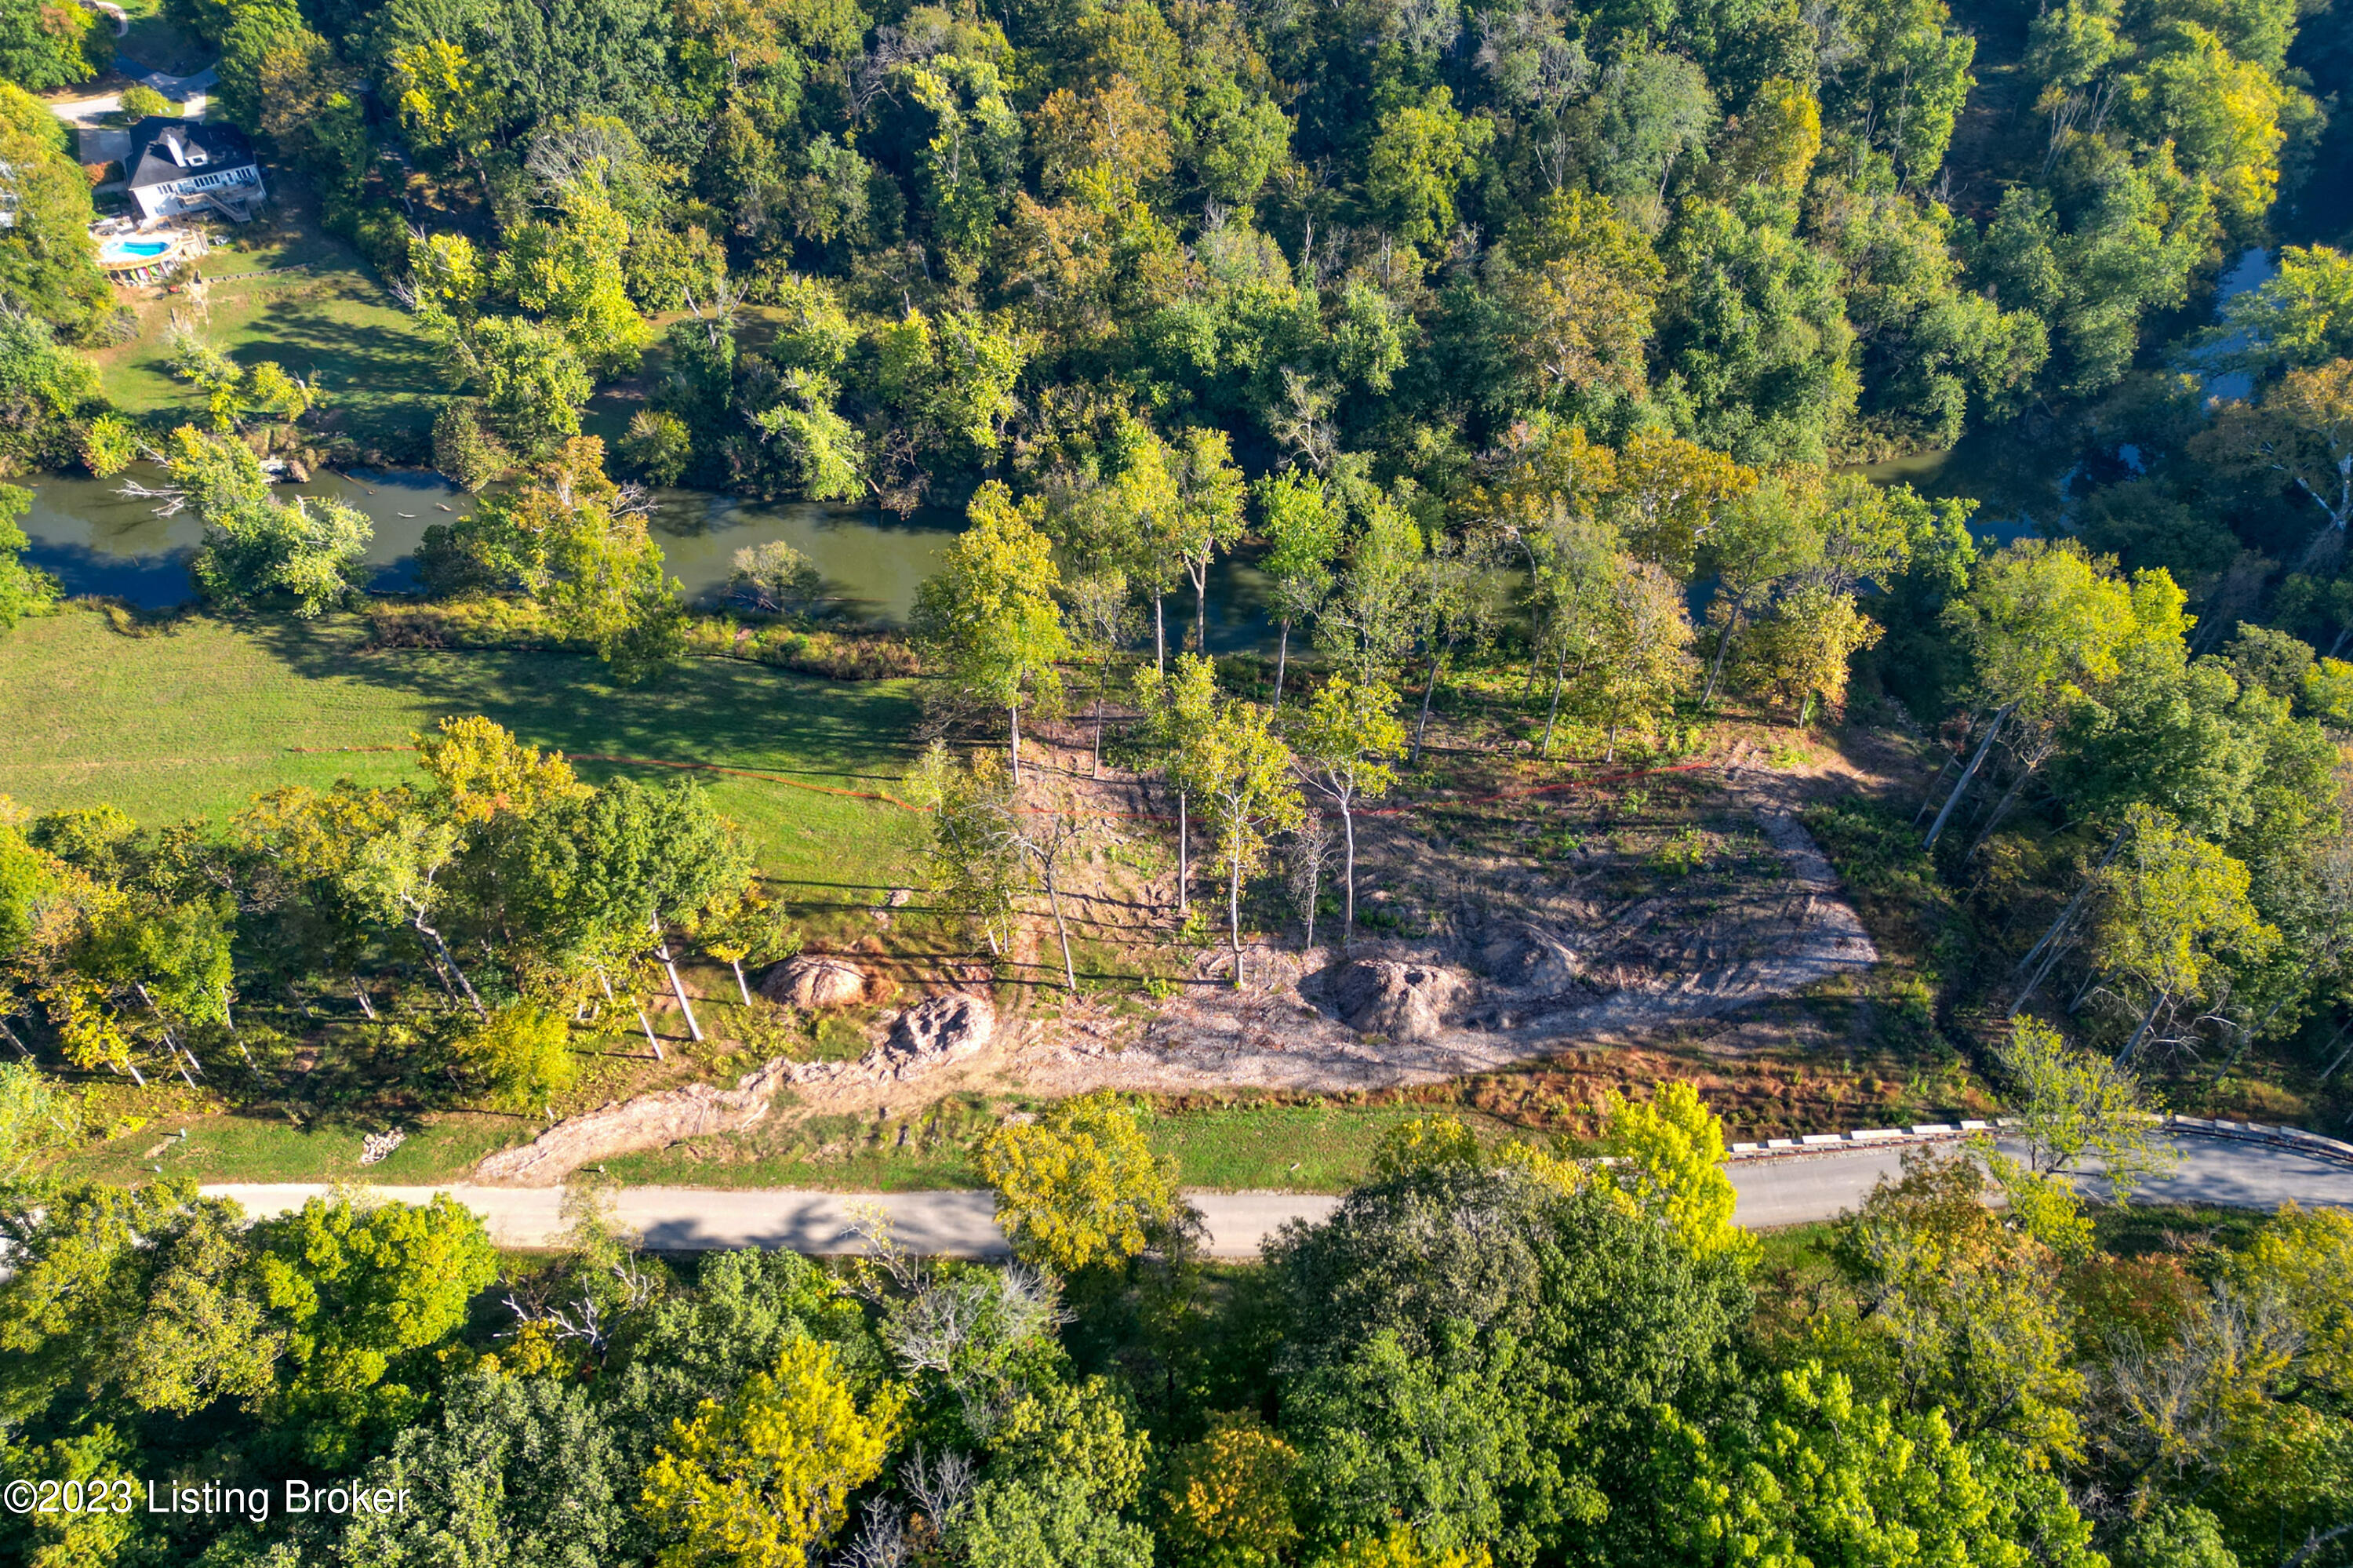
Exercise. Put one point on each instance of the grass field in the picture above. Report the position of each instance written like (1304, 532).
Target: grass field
(384, 381)
(260, 1149)
(1306, 1148)
(196, 718)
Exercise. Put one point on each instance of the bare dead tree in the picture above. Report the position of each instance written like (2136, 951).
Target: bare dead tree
(1046, 834)
(940, 1485)
(1306, 856)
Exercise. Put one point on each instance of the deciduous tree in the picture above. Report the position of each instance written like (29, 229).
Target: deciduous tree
(1080, 1187)
(1177, 710)
(2072, 1104)
(1303, 529)
(989, 615)
(2174, 912)
(762, 1479)
(1345, 747)
(1228, 1497)
(1248, 791)
(1673, 1146)
(2301, 433)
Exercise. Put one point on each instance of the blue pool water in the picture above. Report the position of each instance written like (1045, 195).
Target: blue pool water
(142, 249)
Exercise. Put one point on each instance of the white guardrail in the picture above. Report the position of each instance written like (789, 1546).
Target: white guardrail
(2313, 1145)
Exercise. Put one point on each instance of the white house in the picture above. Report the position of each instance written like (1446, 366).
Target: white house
(190, 166)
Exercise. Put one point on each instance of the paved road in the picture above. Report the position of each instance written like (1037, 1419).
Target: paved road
(1781, 1192)
(702, 1219)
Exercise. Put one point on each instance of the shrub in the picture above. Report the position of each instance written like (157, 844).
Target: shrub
(775, 578)
(109, 442)
(480, 620)
(464, 450)
(657, 446)
(855, 653)
(522, 1056)
(142, 101)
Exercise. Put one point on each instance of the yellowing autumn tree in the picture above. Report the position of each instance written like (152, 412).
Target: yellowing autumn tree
(486, 773)
(1079, 1186)
(1581, 293)
(1228, 1495)
(763, 1480)
(1674, 1153)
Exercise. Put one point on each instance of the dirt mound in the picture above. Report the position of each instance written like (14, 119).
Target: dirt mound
(1402, 1000)
(1530, 957)
(934, 1032)
(926, 1037)
(1585, 949)
(810, 982)
(649, 1121)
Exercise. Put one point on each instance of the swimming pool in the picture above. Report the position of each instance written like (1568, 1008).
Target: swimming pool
(134, 250)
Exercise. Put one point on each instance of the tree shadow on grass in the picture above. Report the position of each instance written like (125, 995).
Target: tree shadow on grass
(718, 711)
(388, 377)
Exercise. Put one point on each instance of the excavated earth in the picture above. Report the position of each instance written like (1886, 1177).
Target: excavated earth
(1504, 954)
(1517, 958)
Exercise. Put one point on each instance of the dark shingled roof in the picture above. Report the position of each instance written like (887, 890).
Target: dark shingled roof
(202, 148)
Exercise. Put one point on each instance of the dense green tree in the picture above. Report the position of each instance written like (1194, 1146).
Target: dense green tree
(24, 590)
(2174, 911)
(1068, 1465)
(569, 273)
(989, 615)
(1958, 1309)
(1829, 1474)
(690, 1347)
(2110, 240)
(362, 1296)
(46, 394)
(49, 264)
(519, 1470)
(2303, 316)
(1421, 153)
(44, 47)
(550, 59)
(139, 1294)
(1753, 341)
(1928, 350)
(2047, 626)
(257, 547)
(1489, 1349)
(2072, 1105)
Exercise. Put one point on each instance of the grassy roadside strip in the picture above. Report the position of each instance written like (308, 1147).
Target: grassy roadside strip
(1324, 1148)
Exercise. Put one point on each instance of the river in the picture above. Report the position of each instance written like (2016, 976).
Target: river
(94, 541)
(2025, 488)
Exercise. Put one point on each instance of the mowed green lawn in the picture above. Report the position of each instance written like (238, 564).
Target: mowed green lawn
(195, 718)
(384, 381)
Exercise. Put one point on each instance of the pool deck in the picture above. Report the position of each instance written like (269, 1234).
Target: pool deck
(123, 266)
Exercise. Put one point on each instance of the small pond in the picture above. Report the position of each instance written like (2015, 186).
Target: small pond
(94, 541)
